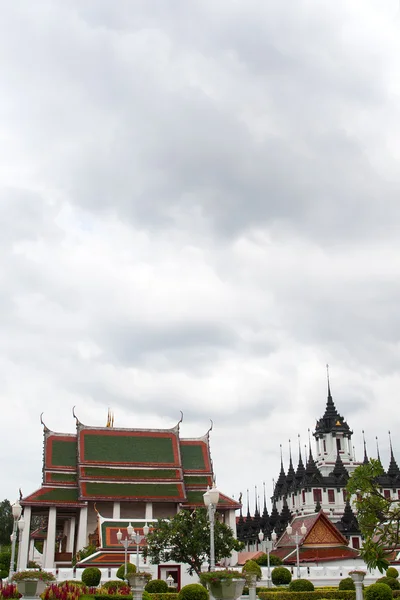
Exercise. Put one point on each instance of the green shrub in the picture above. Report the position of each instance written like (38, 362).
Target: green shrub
(193, 591)
(91, 576)
(169, 596)
(274, 561)
(157, 586)
(378, 591)
(347, 584)
(252, 568)
(146, 595)
(281, 576)
(301, 585)
(5, 559)
(390, 581)
(320, 595)
(72, 582)
(130, 568)
(392, 572)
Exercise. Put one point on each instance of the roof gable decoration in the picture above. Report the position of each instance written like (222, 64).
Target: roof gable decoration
(320, 532)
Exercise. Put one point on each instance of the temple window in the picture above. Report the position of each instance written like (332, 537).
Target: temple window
(317, 495)
(331, 496)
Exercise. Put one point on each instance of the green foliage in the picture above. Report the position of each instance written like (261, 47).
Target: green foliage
(347, 584)
(130, 568)
(146, 595)
(274, 561)
(185, 538)
(390, 581)
(38, 574)
(281, 576)
(320, 595)
(103, 597)
(378, 517)
(193, 591)
(157, 586)
(378, 591)
(252, 568)
(301, 585)
(91, 576)
(216, 576)
(6, 522)
(170, 596)
(392, 572)
(5, 559)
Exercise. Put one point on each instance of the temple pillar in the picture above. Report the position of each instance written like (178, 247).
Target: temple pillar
(51, 539)
(23, 548)
(82, 529)
(116, 510)
(149, 511)
(71, 535)
(232, 524)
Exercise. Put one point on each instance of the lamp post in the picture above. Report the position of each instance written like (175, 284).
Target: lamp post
(296, 538)
(131, 538)
(16, 510)
(211, 498)
(268, 544)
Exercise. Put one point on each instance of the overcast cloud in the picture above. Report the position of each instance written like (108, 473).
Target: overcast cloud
(199, 209)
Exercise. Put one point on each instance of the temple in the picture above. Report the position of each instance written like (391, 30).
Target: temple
(99, 479)
(318, 483)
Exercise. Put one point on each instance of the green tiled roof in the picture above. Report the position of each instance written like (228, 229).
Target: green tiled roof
(61, 477)
(132, 474)
(63, 453)
(132, 490)
(129, 449)
(192, 457)
(197, 480)
(55, 495)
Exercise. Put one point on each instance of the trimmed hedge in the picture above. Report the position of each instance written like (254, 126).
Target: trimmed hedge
(193, 591)
(130, 568)
(252, 568)
(301, 585)
(392, 572)
(390, 581)
(378, 591)
(316, 595)
(91, 576)
(281, 576)
(157, 586)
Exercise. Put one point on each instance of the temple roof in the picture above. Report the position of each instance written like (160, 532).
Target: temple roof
(135, 465)
(332, 421)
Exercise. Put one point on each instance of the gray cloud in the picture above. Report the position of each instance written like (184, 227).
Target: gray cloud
(199, 209)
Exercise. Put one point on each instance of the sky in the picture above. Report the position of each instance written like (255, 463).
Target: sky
(199, 209)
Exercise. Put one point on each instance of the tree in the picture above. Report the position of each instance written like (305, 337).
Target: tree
(6, 522)
(185, 538)
(378, 517)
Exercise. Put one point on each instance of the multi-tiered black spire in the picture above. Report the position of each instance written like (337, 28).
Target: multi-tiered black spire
(281, 482)
(366, 459)
(332, 421)
(339, 472)
(393, 471)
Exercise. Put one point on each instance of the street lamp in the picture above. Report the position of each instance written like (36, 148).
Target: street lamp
(131, 538)
(296, 538)
(16, 510)
(268, 544)
(211, 498)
